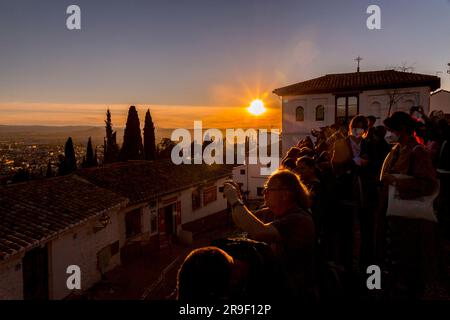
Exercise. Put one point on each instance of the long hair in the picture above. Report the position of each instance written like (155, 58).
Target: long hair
(291, 181)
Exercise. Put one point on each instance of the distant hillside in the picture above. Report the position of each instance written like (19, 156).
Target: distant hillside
(79, 134)
(59, 134)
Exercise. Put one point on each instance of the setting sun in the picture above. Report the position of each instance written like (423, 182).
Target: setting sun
(256, 107)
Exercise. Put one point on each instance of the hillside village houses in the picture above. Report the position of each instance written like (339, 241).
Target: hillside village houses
(98, 218)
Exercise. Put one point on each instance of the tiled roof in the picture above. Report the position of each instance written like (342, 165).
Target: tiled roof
(36, 211)
(144, 180)
(360, 81)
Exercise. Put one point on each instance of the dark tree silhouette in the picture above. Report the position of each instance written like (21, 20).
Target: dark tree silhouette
(67, 162)
(90, 159)
(165, 148)
(111, 149)
(69, 153)
(95, 157)
(149, 138)
(132, 148)
(49, 173)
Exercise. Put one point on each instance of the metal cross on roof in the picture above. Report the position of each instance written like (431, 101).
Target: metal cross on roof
(359, 60)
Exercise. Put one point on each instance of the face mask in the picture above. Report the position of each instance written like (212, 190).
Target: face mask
(357, 132)
(391, 137)
(417, 115)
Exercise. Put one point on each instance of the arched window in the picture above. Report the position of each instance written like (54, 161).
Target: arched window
(300, 114)
(320, 113)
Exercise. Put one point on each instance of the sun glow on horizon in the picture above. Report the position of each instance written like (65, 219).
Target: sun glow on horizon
(256, 107)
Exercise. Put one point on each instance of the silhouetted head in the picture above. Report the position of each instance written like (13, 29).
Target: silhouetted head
(305, 151)
(288, 163)
(371, 121)
(379, 132)
(293, 153)
(400, 127)
(306, 168)
(358, 126)
(205, 275)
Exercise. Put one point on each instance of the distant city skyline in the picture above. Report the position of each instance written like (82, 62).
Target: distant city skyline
(197, 59)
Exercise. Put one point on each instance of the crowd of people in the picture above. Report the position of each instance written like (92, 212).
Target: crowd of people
(357, 196)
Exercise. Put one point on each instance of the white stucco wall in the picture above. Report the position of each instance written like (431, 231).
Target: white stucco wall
(255, 179)
(188, 215)
(373, 102)
(80, 246)
(376, 102)
(11, 279)
(440, 101)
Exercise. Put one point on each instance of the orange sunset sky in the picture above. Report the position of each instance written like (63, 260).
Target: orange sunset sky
(164, 116)
(198, 60)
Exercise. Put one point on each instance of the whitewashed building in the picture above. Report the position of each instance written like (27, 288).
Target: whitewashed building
(336, 98)
(48, 225)
(249, 178)
(99, 218)
(166, 201)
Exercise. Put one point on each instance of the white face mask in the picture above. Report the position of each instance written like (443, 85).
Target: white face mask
(357, 132)
(391, 137)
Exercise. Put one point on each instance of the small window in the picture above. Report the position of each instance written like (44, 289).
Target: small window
(242, 171)
(300, 114)
(259, 191)
(196, 199)
(209, 195)
(320, 113)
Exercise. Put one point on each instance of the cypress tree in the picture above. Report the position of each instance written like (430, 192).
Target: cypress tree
(149, 138)
(110, 147)
(95, 157)
(69, 155)
(132, 148)
(89, 160)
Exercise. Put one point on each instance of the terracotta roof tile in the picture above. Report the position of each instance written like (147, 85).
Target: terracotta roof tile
(37, 210)
(359, 81)
(34, 211)
(143, 180)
